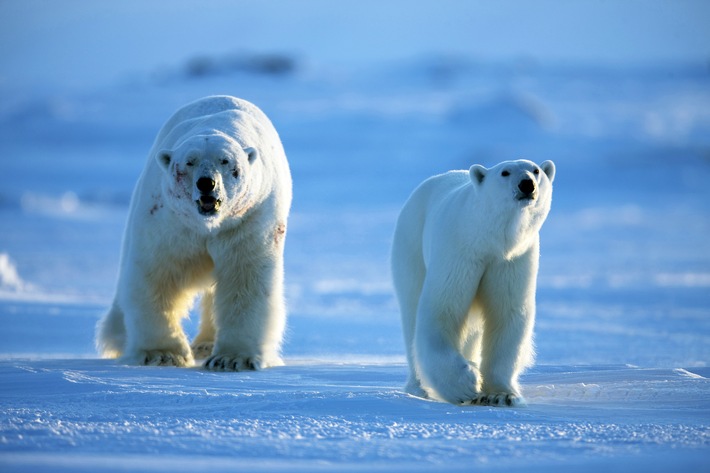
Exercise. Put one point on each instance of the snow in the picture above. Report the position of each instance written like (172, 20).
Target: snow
(327, 415)
(623, 330)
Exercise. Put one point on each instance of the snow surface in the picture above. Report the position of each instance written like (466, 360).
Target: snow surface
(623, 330)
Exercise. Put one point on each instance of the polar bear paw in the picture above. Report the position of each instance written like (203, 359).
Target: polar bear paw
(159, 358)
(414, 388)
(458, 387)
(499, 400)
(202, 350)
(234, 363)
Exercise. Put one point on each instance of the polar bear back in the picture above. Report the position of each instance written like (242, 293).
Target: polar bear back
(431, 206)
(209, 106)
(237, 118)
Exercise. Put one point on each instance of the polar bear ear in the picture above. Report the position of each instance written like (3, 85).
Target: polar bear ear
(164, 157)
(477, 173)
(252, 154)
(548, 167)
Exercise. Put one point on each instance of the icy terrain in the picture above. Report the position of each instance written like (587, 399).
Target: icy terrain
(623, 330)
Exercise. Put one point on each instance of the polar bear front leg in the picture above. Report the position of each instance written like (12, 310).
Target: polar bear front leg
(508, 319)
(249, 311)
(439, 338)
(153, 309)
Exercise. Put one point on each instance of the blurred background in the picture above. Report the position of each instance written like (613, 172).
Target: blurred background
(370, 98)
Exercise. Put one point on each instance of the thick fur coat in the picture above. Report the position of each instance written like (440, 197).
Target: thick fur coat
(208, 215)
(464, 265)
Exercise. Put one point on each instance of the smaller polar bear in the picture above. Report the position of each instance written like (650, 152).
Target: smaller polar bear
(464, 265)
(208, 215)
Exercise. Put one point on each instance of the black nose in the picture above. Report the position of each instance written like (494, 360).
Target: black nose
(526, 186)
(205, 184)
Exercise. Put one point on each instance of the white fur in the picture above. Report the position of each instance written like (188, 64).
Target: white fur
(176, 246)
(464, 264)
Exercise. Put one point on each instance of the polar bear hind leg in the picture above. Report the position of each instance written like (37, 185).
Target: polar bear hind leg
(408, 290)
(471, 347)
(203, 344)
(408, 273)
(111, 333)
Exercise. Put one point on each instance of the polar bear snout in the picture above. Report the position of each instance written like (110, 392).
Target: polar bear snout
(207, 203)
(205, 185)
(527, 189)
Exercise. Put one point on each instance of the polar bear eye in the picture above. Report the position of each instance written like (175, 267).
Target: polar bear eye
(536, 171)
(190, 163)
(225, 161)
(505, 173)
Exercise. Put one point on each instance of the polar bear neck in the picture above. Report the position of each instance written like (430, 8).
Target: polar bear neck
(513, 229)
(521, 234)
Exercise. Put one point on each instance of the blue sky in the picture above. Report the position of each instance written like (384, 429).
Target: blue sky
(84, 42)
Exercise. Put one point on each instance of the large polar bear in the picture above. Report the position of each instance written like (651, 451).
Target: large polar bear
(464, 264)
(208, 214)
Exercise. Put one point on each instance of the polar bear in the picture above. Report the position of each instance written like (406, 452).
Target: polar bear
(209, 215)
(464, 265)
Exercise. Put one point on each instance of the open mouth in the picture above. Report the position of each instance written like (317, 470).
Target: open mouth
(527, 197)
(208, 205)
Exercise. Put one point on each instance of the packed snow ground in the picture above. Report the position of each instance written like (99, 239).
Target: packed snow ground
(623, 330)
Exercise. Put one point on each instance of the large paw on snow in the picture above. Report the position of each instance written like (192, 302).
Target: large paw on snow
(499, 399)
(414, 388)
(202, 350)
(233, 363)
(159, 358)
(458, 386)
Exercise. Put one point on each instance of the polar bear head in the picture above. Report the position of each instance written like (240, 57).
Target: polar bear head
(521, 182)
(206, 176)
(515, 199)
